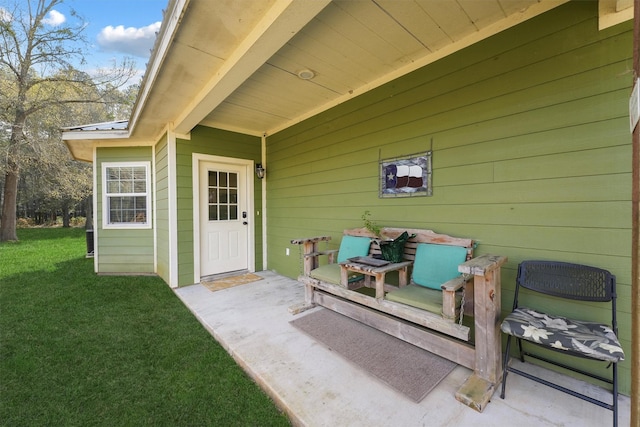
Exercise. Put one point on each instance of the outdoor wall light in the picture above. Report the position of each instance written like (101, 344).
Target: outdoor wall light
(259, 171)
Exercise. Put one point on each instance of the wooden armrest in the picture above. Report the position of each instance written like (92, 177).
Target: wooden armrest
(318, 253)
(455, 284)
(330, 252)
(304, 240)
(310, 250)
(480, 265)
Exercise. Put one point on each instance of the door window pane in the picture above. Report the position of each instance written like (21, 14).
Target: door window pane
(213, 213)
(223, 196)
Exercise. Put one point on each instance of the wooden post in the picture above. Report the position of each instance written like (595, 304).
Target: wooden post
(487, 323)
(480, 386)
(309, 247)
(310, 263)
(635, 238)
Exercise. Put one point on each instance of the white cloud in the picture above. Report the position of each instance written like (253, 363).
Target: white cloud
(54, 18)
(131, 40)
(5, 15)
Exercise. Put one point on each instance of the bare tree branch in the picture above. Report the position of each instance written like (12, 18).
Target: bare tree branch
(39, 84)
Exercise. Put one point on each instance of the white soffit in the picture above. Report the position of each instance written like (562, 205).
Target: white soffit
(277, 27)
(613, 12)
(354, 47)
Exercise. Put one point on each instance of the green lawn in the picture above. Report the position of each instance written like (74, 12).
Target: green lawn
(77, 349)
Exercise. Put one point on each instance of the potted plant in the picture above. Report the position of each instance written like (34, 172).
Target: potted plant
(370, 225)
(391, 249)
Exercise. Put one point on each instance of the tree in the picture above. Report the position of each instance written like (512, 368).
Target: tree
(50, 179)
(36, 59)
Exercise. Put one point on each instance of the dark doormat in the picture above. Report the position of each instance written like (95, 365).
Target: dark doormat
(408, 369)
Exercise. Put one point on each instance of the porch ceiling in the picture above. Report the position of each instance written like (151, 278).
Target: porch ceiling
(234, 64)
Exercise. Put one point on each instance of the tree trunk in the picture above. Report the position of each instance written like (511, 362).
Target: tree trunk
(10, 202)
(8, 224)
(66, 223)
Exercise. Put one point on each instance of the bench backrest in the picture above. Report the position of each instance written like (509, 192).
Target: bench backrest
(422, 236)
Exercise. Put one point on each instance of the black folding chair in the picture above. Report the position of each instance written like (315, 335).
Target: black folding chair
(586, 339)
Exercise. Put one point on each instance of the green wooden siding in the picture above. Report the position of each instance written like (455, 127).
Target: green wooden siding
(532, 154)
(162, 209)
(122, 250)
(216, 142)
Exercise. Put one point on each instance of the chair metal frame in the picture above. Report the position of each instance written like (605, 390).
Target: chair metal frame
(561, 279)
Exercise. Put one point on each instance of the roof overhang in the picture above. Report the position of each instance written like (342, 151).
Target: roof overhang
(236, 64)
(81, 139)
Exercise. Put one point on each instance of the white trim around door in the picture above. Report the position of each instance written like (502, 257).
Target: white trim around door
(246, 167)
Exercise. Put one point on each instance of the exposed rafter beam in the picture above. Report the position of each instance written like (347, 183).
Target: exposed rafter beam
(613, 12)
(278, 26)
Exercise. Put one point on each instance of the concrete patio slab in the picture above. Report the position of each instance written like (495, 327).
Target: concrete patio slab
(317, 387)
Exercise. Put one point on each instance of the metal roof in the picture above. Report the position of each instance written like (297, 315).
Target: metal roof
(115, 125)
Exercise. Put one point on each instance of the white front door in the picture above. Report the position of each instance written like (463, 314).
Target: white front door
(224, 221)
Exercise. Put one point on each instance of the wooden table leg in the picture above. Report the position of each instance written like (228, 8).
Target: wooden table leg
(403, 276)
(367, 281)
(380, 286)
(344, 276)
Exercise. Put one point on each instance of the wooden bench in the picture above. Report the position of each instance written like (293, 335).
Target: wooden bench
(439, 332)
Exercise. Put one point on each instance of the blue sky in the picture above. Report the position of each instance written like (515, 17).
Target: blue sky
(115, 29)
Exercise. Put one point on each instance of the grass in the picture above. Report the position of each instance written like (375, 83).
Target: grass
(77, 349)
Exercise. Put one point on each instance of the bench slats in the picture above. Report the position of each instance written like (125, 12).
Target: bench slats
(412, 314)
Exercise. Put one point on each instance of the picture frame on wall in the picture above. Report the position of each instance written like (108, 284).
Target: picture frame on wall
(406, 176)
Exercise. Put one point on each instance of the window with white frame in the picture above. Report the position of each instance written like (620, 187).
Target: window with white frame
(127, 195)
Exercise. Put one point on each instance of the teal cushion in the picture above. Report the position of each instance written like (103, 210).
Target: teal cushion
(330, 273)
(437, 264)
(353, 246)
